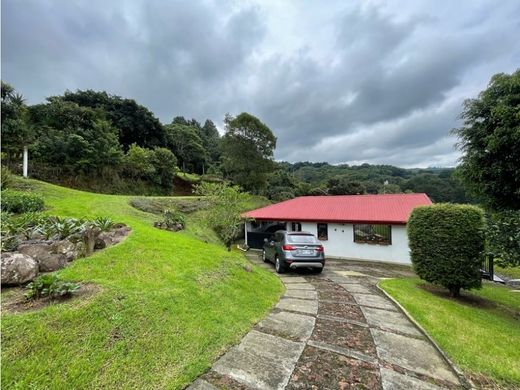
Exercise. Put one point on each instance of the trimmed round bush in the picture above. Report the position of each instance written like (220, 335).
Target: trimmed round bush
(21, 202)
(447, 244)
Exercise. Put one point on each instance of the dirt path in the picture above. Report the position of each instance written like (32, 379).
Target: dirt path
(332, 331)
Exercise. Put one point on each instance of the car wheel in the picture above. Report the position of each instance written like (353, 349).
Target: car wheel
(264, 257)
(278, 265)
(318, 270)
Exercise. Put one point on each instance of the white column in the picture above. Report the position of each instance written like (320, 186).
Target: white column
(246, 226)
(25, 161)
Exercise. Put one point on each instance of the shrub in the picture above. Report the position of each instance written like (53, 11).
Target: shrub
(446, 243)
(6, 179)
(503, 237)
(21, 202)
(50, 285)
(173, 217)
(103, 223)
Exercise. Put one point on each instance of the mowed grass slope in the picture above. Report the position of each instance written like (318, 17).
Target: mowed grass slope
(480, 332)
(168, 305)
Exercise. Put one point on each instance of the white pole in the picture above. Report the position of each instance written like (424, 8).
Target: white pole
(245, 232)
(25, 161)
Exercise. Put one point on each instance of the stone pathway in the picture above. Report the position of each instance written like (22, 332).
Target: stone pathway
(335, 330)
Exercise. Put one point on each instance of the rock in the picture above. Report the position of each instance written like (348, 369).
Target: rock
(90, 236)
(42, 252)
(70, 250)
(112, 237)
(18, 268)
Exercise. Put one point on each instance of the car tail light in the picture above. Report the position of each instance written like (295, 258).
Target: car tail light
(320, 249)
(288, 247)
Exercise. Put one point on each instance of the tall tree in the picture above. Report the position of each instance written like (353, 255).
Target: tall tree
(210, 139)
(247, 151)
(490, 142)
(74, 137)
(186, 144)
(134, 122)
(17, 131)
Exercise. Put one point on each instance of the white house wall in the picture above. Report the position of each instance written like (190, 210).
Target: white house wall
(341, 244)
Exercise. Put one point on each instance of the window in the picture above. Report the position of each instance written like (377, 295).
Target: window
(323, 232)
(296, 227)
(373, 234)
(301, 239)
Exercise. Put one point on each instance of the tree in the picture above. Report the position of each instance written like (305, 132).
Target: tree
(247, 151)
(134, 122)
(165, 165)
(447, 244)
(74, 137)
(17, 132)
(227, 205)
(210, 140)
(342, 186)
(503, 237)
(186, 144)
(490, 142)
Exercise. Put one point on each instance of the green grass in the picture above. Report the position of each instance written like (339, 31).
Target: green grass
(511, 272)
(480, 332)
(168, 305)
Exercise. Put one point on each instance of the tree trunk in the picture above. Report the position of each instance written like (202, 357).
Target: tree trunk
(455, 292)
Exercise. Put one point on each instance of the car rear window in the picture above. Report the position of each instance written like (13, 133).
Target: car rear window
(301, 238)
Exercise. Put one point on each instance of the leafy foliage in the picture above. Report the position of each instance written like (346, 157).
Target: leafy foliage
(6, 179)
(247, 151)
(503, 237)
(50, 285)
(75, 137)
(21, 202)
(446, 245)
(186, 144)
(173, 217)
(135, 124)
(227, 205)
(490, 141)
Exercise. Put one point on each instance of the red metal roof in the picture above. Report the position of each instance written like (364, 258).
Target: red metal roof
(389, 208)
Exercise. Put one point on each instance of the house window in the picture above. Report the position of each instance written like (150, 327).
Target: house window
(373, 234)
(296, 227)
(323, 232)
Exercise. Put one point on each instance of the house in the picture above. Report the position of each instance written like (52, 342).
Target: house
(363, 227)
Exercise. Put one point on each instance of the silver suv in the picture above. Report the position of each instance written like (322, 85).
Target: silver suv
(294, 250)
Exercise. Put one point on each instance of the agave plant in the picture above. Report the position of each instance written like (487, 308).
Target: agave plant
(62, 228)
(103, 223)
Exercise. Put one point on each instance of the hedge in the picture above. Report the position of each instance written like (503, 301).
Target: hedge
(21, 202)
(447, 244)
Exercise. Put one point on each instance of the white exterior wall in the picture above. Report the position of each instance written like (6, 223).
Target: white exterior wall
(341, 244)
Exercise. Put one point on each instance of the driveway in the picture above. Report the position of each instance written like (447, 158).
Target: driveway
(335, 330)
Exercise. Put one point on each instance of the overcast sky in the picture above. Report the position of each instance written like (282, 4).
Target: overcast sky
(336, 81)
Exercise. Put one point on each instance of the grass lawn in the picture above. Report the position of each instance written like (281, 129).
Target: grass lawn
(511, 272)
(480, 332)
(168, 305)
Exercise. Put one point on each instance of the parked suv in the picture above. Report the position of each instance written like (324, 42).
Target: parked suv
(294, 250)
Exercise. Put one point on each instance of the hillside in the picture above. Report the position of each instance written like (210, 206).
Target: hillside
(167, 304)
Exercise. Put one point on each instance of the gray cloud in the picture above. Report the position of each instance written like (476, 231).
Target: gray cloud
(369, 82)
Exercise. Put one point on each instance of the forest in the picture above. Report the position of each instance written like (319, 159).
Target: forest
(101, 142)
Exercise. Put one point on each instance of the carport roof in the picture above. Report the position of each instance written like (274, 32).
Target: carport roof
(388, 208)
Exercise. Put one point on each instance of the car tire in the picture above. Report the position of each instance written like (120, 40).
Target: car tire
(318, 270)
(264, 257)
(279, 265)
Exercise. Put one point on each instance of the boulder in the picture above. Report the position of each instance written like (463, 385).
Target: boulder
(18, 268)
(43, 253)
(112, 237)
(70, 250)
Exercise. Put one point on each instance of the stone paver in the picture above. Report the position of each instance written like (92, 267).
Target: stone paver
(302, 294)
(291, 325)
(293, 279)
(261, 361)
(300, 305)
(390, 320)
(357, 288)
(373, 300)
(392, 380)
(299, 286)
(360, 338)
(201, 384)
(413, 354)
